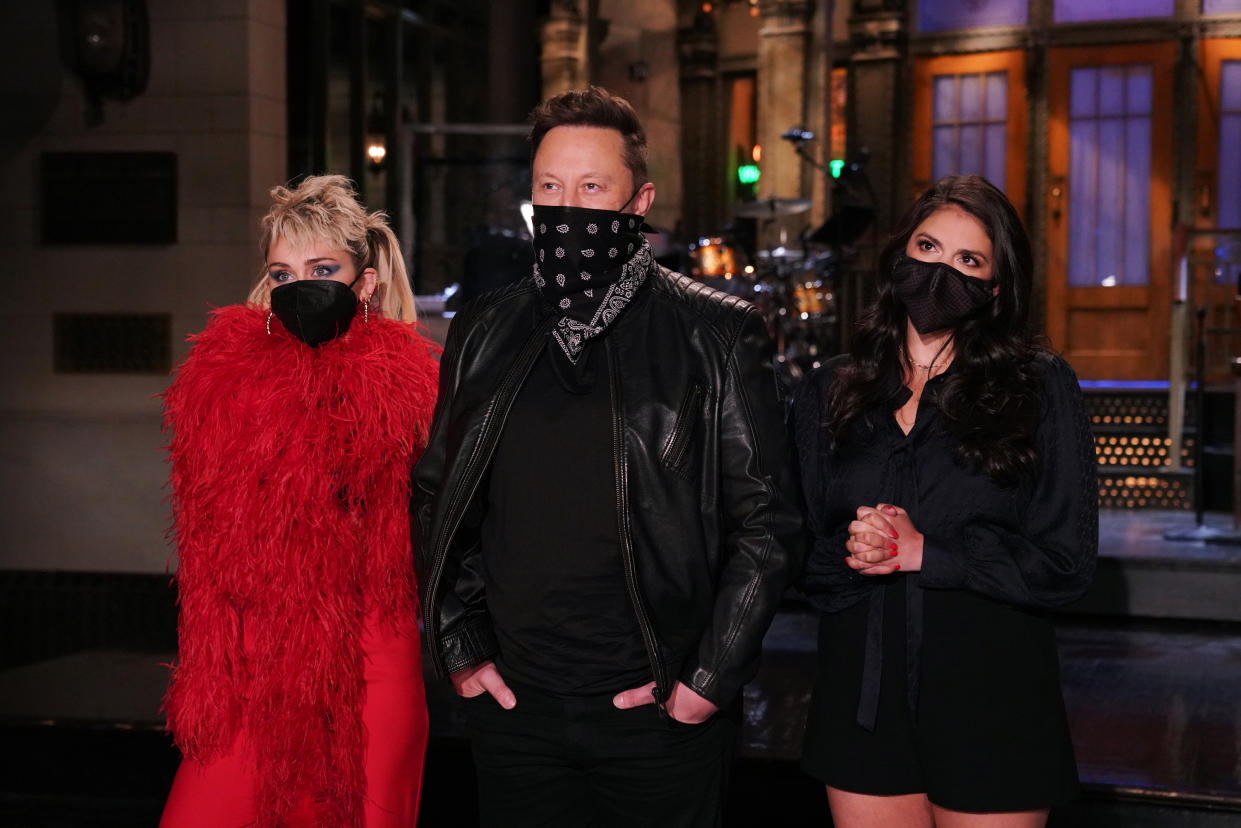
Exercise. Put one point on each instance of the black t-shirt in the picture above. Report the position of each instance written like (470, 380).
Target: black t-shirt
(552, 569)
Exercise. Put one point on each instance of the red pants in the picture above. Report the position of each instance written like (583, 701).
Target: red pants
(221, 795)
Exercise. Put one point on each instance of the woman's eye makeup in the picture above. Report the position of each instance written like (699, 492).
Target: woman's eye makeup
(320, 271)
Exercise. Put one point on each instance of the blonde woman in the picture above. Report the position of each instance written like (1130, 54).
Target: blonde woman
(297, 696)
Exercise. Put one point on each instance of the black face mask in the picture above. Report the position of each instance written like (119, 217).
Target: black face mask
(589, 266)
(315, 310)
(579, 248)
(937, 296)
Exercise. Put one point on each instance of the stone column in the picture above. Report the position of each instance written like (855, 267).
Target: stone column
(877, 125)
(783, 43)
(564, 55)
(879, 103)
(783, 40)
(702, 142)
(816, 183)
(635, 56)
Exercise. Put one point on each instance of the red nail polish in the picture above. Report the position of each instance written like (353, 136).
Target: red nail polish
(893, 555)
(898, 566)
(892, 548)
(895, 535)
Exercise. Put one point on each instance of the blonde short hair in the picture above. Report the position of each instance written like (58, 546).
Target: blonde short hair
(325, 208)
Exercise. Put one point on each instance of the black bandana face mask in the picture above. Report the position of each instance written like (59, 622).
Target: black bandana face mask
(315, 310)
(588, 264)
(575, 246)
(937, 296)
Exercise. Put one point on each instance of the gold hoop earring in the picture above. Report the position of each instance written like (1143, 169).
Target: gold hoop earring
(269, 315)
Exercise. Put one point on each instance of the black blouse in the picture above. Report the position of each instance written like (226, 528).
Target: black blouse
(1033, 544)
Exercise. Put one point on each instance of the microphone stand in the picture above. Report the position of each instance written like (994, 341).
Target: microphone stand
(799, 147)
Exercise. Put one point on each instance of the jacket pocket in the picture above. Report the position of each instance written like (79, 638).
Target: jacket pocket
(676, 450)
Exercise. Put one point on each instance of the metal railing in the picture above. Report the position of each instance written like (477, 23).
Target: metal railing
(1208, 281)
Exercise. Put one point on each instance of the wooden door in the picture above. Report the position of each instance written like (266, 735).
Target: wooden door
(1109, 207)
(969, 116)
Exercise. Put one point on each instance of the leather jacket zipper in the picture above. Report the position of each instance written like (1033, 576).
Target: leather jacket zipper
(478, 460)
(626, 544)
(679, 443)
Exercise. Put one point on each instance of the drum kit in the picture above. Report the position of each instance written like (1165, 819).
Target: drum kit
(794, 287)
(797, 288)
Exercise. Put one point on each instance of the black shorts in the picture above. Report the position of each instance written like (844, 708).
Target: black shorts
(989, 733)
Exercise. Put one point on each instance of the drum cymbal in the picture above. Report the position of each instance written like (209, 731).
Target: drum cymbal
(782, 252)
(773, 207)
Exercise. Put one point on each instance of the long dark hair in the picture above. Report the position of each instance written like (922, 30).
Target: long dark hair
(989, 399)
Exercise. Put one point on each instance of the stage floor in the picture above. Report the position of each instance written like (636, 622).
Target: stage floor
(1154, 702)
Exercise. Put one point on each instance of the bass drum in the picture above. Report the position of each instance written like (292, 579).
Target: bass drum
(720, 265)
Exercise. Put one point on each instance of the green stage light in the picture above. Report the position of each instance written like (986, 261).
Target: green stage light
(748, 174)
(836, 166)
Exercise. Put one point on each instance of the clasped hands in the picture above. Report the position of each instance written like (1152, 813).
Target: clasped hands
(684, 705)
(883, 540)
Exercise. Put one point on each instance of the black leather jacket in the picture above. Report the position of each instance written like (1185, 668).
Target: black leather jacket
(710, 525)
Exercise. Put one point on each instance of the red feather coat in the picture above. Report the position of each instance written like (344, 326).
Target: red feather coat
(290, 478)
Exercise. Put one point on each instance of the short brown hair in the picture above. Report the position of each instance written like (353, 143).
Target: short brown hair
(597, 107)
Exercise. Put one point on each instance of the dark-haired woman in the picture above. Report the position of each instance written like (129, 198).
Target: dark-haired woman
(949, 476)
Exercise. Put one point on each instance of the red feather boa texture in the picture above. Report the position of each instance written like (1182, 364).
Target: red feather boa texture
(290, 477)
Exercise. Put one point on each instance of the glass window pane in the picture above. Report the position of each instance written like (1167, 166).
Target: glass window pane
(1220, 6)
(1230, 85)
(944, 157)
(995, 156)
(1137, 201)
(944, 98)
(939, 15)
(1083, 178)
(1082, 83)
(1139, 90)
(971, 97)
(1078, 11)
(970, 150)
(997, 96)
(1110, 230)
(1112, 90)
(1229, 188)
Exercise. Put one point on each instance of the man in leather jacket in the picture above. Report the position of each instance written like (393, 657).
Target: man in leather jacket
(606, 515)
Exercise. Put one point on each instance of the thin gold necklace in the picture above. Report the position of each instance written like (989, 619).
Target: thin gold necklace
(939, 363)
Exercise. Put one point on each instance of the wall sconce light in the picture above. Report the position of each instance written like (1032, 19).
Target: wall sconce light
(107, 45)
(376, 135)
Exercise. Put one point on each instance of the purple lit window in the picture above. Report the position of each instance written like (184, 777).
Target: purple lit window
(1229, 213)
(942, 15)
(1220, 6)
(969, 125)
(1081, 11)
(1228, 190)
(1109, 175)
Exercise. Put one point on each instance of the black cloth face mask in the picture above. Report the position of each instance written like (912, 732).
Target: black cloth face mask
(315, 310)
(937, 296)
(588, 265)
